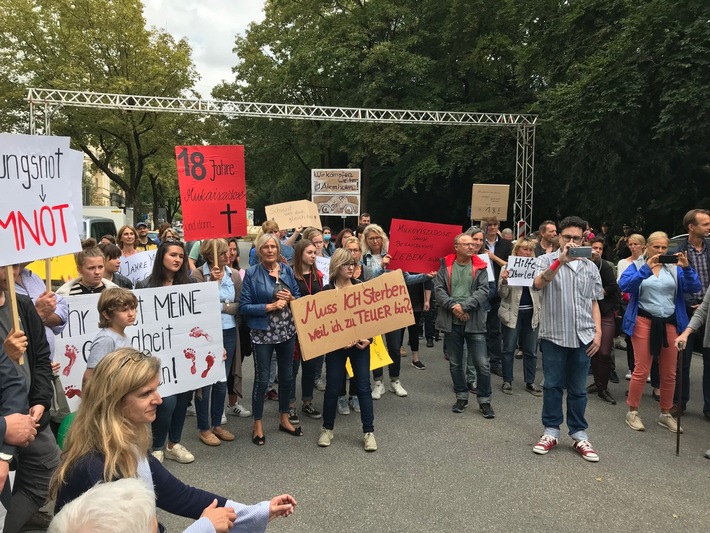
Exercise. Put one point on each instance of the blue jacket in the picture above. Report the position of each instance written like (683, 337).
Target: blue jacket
(688, 282)
(258, 290)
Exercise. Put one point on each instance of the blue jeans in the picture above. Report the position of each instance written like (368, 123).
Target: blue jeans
(335, 374)
(212, 417)
(262, 365)
(476, 344)
(170, 419)
(394, 343)
(308, 377)
(524, 332)
(564, 368)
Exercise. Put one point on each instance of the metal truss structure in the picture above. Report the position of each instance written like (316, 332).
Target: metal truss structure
(47, 101)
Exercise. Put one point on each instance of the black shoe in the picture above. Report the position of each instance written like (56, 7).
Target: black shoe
(613, 377)
(655, 396)
(429, 343)
(311, 411)
(706, 414)
(471, 387)
(487, 410)
(418, 365)
(459, 406)
(497, 370)
(592, 388)
(296, 432)
(607, 397)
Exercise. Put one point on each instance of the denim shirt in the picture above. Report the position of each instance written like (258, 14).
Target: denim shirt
(258, 291)
(226, 294)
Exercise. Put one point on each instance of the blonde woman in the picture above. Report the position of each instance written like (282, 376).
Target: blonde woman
(374, 244)
(90, 264)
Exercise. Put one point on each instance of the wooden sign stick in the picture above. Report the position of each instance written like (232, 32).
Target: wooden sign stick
(48, 274)
(10, 275)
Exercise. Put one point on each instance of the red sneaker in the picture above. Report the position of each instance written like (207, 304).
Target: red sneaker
(584, 448)
(545, 444)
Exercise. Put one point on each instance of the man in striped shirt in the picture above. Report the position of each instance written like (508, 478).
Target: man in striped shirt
(570, 333)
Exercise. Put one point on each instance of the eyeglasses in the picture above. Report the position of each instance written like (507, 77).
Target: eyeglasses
(136, 357)
(354, 250)
(377, 238)
(572, 238)
(349, 264)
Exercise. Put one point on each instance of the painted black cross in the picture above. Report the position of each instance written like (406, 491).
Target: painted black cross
(228, 212)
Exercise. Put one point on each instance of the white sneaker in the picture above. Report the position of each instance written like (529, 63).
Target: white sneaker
(320, 385)
(238, 410)
(158, 454)
(369, 442)
(343, 407)
(179, 453)
(396, 387)
(667, 421)
(378, 390)
(224, 419)
(326, 437)
(191, 410)
(627, 377)
(634, 421)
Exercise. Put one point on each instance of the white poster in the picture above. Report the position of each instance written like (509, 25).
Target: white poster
(41, 194)
(138, 266)
(521, 271)
(323, 265)
(180, 325)
(489, 267)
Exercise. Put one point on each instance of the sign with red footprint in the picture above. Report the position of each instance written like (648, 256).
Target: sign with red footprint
(180, 325)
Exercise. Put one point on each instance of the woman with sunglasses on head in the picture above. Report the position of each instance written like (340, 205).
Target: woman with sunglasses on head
(310, 282)
(169, 269)
(268, 288)
(342, 268)
(209, 418)
(110, 438)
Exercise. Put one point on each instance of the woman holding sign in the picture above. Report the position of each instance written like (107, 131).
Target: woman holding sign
(342, 268)
(268, 288)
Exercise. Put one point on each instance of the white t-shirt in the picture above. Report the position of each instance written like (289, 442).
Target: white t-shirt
(105, 342)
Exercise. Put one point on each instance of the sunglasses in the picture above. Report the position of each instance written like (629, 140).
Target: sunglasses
(136, 357)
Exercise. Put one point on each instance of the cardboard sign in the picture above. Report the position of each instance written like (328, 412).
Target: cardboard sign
(489, 200)
(521, 271)
(138, 266)
(40, 204)
(419, 246)
(335, 181)
(489, 267)
(212, 191)
(294, 214)
(379, 356)
(332, 319)
(330, 204)
(181, 325)
(323, 265)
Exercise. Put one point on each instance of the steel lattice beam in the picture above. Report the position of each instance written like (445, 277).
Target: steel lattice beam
(51, 99)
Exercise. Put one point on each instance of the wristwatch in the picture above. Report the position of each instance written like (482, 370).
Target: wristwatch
(6, 457)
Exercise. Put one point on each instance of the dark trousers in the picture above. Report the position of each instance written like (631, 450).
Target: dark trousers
(394, 343)
(601, 362)
(695, 342)
(170, 419)
(335, 374)
(308, 377)
(494, 337)
(430, 332)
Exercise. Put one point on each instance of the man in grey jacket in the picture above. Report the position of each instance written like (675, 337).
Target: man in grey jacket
(461, 288)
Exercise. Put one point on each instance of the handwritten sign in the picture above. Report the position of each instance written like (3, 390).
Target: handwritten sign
(332, 319)
(418, 246)
(138, 266)
(212, 191)
(335, 181)
(489, 200)
(330, 204)
(323, 265)
(521, 271)
(489, 267)
(294, 214)
(181, 325)
(379, 356)
(41, 189)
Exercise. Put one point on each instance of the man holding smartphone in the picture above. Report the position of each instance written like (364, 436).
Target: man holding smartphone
(570, 333)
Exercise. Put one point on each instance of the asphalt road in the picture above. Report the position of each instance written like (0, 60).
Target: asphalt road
(439, 471)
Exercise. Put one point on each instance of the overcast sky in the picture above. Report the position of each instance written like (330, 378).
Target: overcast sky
(210, 26)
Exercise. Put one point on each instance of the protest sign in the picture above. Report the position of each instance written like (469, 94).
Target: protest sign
(332, 319)
(489, 267)
(138, 266)
(489, 201)
(379, 356)
(419, 246)
(181, 325)
(329, 204)
(294, 214)
(212, 191)
(323, 265)
(335, 181)
(521, 271)
(39, 205)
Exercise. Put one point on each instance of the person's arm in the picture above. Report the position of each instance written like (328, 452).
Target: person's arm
(632, 277)
(545, 271)
(503, 287)
(597, 317)
(41, 389)
(58, 319)
(697, 321)
(247, 306)
(691, 281)
(292, 239)
(441, 294)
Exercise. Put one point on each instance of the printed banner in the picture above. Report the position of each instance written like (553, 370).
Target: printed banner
(40, 205)
(138, 266)
(332, 319)
(335, 181)
(419, 246)
(521, 271)
(489, 200)
(301, 213)
(379, 356)
(181, 325)
(212, 191)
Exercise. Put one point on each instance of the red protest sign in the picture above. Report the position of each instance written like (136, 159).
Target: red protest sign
(212, 191)
(418, 246)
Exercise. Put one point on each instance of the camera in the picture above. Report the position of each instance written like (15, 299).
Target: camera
(581, 251)
(667, 259)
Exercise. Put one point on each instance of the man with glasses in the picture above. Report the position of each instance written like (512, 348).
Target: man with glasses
(570, 333)
(461, 288)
